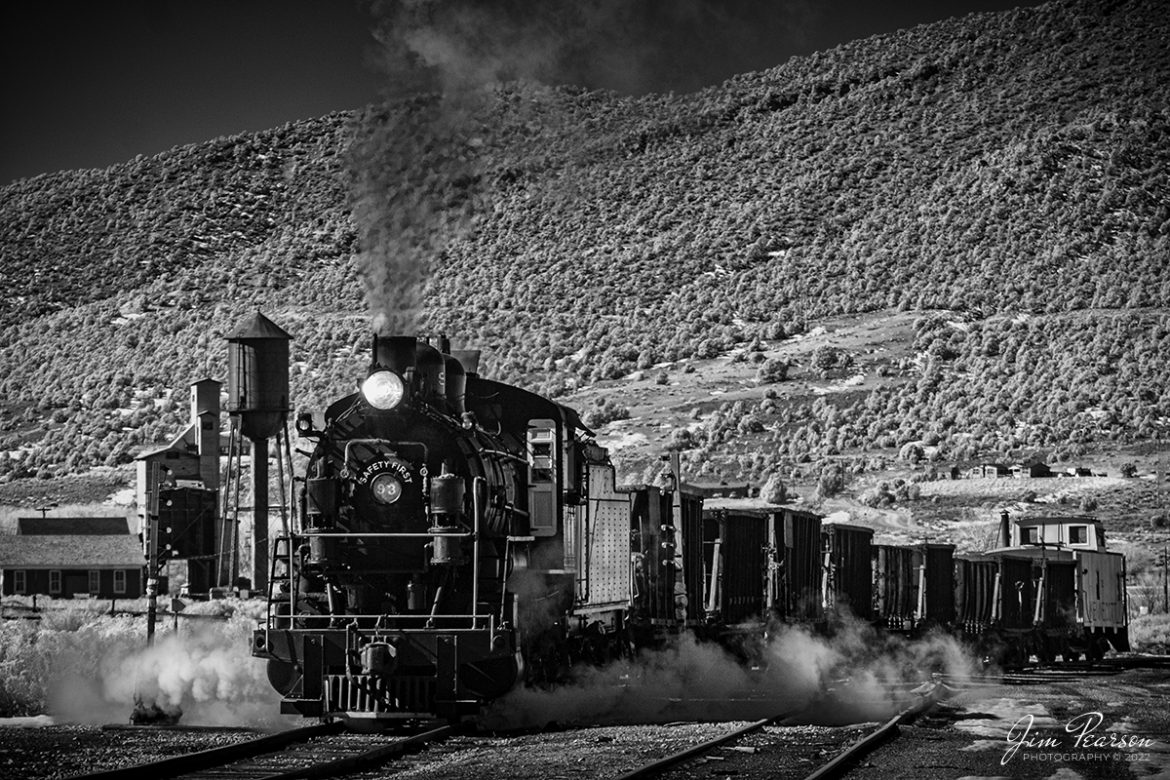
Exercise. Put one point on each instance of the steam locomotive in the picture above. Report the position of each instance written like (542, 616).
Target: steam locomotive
(461, 536)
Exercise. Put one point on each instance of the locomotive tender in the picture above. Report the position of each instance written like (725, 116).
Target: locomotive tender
(462, 536)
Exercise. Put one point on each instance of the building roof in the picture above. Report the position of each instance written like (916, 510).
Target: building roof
(1069, 520)
(62, 526)
(258, 327)
(70, 551)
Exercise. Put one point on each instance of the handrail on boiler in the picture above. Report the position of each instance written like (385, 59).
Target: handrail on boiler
(476, 510)
(389, 534)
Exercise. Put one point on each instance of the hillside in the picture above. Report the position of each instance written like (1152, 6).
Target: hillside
(997, 184)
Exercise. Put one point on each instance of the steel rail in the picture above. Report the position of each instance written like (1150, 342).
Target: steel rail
(842, 762)
(662, 764)
(175, 766)
(367, 759)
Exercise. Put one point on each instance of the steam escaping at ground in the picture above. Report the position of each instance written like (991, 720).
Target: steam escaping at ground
(205, 671)
(855, 675)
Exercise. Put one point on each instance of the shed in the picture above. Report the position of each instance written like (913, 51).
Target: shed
(68, 565)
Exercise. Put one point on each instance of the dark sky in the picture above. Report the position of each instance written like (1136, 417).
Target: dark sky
(89, 84)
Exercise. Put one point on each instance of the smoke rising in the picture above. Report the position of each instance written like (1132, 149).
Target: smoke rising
(419, 162)
(855, 675)
(629, 46)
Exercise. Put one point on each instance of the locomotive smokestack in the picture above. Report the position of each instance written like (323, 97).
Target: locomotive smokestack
(395, 353)
(1005, 529)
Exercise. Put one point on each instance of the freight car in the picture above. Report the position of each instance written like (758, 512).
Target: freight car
(760, 565)
(914, 587)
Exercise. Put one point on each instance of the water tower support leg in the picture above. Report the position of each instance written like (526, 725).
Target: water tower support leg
(260, 516)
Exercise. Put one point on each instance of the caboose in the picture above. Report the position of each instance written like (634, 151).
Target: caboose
(1069, 554)
(1050, 589)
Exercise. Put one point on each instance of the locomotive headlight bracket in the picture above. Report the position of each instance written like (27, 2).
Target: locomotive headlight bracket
(383, 390)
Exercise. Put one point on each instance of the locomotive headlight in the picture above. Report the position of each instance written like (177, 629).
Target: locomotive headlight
(383, 390)
(386, 488)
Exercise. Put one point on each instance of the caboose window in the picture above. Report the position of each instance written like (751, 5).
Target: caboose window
(1078, 534)
(1032, 535)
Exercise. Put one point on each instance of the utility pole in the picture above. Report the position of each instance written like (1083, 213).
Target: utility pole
(1165, 587)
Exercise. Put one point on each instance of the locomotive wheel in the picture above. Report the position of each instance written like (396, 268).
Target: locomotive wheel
(1046, 648)
(1094, 652)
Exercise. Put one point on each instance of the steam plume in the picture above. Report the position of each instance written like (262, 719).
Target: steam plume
(870, 674)
(419, 163)
(205, 671)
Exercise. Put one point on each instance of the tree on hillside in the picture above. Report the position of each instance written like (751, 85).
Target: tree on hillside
(774, 491)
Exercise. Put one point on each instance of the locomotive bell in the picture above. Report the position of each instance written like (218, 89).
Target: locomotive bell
(430, 373)
(456, 384)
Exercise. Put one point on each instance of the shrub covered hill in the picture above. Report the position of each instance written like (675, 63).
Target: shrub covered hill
(995, 189)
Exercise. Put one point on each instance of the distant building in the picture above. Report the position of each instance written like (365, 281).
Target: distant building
(988, 471)
(1031, 470)
(65, 557)
(723, 489)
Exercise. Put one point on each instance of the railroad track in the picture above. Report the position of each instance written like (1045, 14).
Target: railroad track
(311, 752)
(924, 699)
(1041, 673)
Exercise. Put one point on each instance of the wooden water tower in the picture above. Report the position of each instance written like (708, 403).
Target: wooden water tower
(258, 404)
